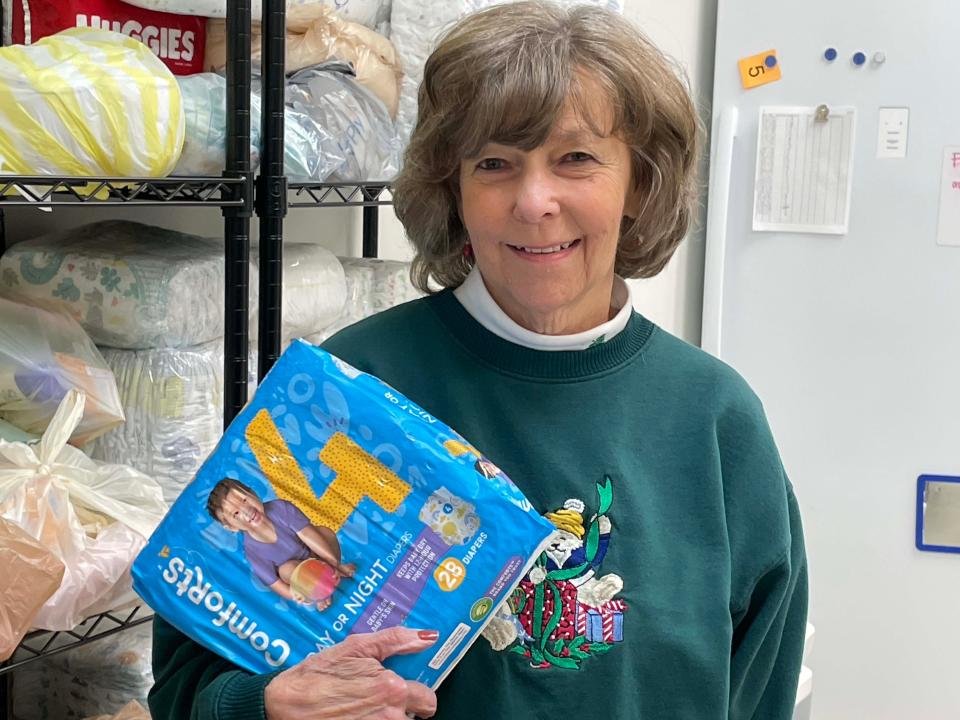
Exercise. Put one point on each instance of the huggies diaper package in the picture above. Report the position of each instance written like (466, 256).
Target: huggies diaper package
(333, 505)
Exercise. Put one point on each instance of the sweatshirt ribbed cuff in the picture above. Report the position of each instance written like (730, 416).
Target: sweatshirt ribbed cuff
(241, 697)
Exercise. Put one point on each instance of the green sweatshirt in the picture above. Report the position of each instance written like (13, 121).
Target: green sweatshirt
(678, 586)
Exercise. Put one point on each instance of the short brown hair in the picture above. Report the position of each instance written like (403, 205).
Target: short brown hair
(219, 494)
(504, 75)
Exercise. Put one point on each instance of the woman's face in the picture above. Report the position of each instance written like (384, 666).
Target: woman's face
(544, 224)
(241, 512)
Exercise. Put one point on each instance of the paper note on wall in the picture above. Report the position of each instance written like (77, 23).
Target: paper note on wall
(759, 69)
(948, 225)
(804, 170)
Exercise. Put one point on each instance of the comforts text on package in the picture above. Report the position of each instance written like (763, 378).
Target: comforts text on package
(334, 505)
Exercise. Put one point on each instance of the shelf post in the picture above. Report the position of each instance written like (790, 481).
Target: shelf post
(237, 219)
(271, 201)
(371, 221)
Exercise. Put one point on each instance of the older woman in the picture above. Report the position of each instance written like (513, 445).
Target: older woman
(554, 156)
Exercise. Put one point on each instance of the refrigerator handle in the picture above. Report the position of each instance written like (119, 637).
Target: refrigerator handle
(716, 237)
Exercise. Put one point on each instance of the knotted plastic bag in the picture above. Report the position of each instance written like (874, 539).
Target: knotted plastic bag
(91, 516)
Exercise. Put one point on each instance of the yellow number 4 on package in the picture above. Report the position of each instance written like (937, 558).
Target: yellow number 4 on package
(333, 505)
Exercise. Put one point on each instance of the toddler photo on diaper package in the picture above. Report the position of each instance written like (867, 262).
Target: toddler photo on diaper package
(331, 506)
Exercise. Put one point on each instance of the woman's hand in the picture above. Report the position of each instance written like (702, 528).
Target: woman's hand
(348, 681)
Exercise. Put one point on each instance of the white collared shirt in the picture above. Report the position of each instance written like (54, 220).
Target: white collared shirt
(478, 301)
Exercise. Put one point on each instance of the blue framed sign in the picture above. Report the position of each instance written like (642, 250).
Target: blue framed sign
(938, 513)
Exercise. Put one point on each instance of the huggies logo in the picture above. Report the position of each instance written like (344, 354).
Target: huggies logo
(166, 43)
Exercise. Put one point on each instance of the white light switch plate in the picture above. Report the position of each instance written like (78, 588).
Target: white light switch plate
(892, 132)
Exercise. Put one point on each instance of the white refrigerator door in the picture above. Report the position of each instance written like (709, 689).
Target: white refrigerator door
(852, 341)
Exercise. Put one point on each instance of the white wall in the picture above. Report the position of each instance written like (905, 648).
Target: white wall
(684, 29)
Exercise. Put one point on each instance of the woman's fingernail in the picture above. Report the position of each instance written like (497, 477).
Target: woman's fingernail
(428, 635)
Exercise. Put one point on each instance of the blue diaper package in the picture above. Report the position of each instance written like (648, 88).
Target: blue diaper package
(333, 505)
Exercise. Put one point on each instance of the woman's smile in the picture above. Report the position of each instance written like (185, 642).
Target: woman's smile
(546, 253)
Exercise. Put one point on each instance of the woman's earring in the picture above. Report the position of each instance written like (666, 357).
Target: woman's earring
(468, 251)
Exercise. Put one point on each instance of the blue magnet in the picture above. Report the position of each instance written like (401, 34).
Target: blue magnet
(859, 58)
(770, 61)
(830, 54)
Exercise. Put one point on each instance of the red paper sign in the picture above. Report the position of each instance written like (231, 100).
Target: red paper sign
(178, 40)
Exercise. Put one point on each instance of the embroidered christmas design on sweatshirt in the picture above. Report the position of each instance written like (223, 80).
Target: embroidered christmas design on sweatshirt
(565, 611)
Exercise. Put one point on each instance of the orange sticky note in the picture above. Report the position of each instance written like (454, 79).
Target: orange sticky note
(759, 69)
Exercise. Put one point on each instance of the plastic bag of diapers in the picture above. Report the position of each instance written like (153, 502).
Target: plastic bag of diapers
(88, 102)
(333, 505)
